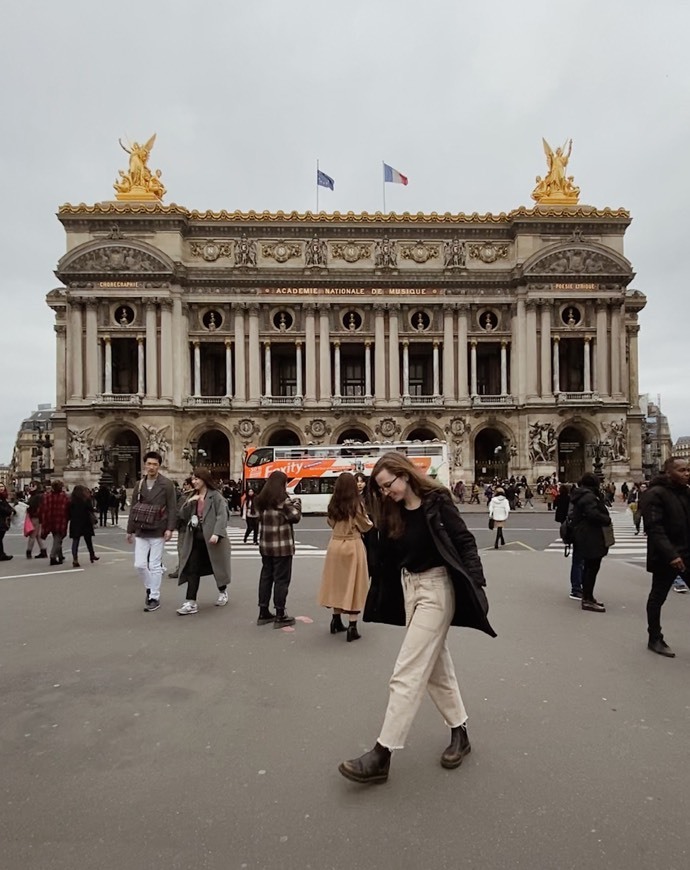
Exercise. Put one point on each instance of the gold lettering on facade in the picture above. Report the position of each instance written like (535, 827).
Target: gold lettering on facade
(351, 291)
(575, 286)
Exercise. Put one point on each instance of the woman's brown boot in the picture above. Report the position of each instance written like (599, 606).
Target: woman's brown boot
(372, 767)
(459, 747)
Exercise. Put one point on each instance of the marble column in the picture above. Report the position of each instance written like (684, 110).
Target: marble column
(521, 350)
(336, 368)
(141, 366)
(394, 353)
(228, 367)
(367, 369)
(531, 348)
(616, 351)
(473, 367)
(60, 365)
(380, 353)
(254, 354)
(74, 350)
(624, 356)
(602, 351)
(588, 365)
(240, 356)
(437, 378)
(151, 353)
(633, 366)
(298, 368)
(448, 355)
(406, 368)
(107, 365)
(310, 348)
(546, 382)
(462, 353)
(181, 378)
(324, 356)
(504, 368)
(556, 368)
(197, 369)
(167, 362)
(91, 368)
(267, 369)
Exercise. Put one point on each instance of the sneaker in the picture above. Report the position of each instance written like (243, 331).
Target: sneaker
(152, 604)
(576, 594)
(283, 621)
(679, 585)
(222, 599)
(188, 607)
(593, 606)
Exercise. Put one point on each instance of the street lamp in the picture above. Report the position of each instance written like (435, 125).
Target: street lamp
(598, 451)
(43, 443)
(193, 453)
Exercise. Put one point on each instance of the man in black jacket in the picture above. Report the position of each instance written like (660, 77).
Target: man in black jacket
(666, 512)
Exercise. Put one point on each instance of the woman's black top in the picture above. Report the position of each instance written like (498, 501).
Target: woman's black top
(416, 550)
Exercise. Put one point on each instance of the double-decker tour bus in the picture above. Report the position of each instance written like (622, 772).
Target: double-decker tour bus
(312, 470)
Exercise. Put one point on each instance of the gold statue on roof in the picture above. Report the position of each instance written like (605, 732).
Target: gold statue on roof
(139, 183)
(556, 188)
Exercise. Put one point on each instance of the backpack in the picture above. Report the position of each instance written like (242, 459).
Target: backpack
(567, 529)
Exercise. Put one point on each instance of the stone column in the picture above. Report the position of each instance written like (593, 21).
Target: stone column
(520, 336)
(462, 352)
(167, 362)
(298, 366)
(324, 356)
(380, 353)
(336, 366)
(546, 382)
(107, 365)
(437, 379)
(556, 365)
(240, 355)
(151, 353)
(448, 355)
(531, 348)
(197, 369)
(367, 368)
(180, 325)
(394, 353)
(504, 368)
(634, 370)
(91, 368)
(602, 350)
(254, 353)
(75, 351)
(267, 369)
(406, 368)
(228, 368)
(588, 365)
(473, 367)
(616, 352)
(624, 357)
(60, 365)
(141, 366)
(310, 345)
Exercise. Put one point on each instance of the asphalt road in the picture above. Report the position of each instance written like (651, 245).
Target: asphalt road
(156, 741)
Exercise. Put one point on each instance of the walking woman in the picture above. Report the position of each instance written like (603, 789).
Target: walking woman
(422, 536)
(205, 548)
(52, 515)
(499, 511)
(251, 517)
(593, 535)
(345, 579)
(82, 519)
(6, 514)
(277, 515)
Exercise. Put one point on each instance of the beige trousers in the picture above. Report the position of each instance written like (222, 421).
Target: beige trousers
(424, 661)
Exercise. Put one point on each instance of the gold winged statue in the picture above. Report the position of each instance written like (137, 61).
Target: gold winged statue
(556, 188)
(139, 183)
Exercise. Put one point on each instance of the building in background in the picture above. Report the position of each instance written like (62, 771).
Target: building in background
(657, 444)
(512, 336)
(682, 447)
(33, 455)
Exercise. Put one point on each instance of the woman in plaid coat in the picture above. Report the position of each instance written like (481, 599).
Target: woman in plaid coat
(53, 517)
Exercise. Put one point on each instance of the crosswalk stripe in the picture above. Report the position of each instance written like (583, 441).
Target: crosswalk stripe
(242, 550)
(628, 544)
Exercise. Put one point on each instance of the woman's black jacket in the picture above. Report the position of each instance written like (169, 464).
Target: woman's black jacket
(589, 517)
(457, 548)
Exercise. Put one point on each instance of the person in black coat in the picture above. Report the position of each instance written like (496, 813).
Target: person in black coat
(666, 512)
(590, 516)
(81, 522)
(421, 536)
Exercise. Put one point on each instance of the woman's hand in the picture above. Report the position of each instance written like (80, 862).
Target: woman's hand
(213, 539)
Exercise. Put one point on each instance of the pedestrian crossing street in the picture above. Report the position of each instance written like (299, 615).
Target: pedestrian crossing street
(240, 550)
(629, 546)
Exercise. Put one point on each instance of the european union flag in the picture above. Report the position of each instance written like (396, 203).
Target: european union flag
(324, 180)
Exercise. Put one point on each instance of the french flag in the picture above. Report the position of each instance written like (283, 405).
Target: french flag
(392, 175)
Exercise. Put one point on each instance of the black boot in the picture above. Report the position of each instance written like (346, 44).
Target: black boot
(352, 633)
(459, 747)
(28, 554)
(337, 624)
(283, 619)
(372, 767)
(42, 555)
(659, 646)
(265, 616)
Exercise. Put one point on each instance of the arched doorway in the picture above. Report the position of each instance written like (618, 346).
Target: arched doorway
(283, 438)
(421, 434)
(491, 456)
(352, 435)
(124, 458)
(213, 452)
(571, 454)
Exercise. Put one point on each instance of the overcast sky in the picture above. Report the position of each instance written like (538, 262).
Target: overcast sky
(244, 96)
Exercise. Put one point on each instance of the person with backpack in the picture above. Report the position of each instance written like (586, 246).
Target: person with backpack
(592, 535)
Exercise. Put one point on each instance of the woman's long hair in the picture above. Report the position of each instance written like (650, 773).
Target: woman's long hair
(345, 502)
(273, 493)
(205, 475)
(80, 493)
(387, 514)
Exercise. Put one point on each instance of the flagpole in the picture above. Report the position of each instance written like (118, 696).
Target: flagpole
(317, 185)
(383, 169)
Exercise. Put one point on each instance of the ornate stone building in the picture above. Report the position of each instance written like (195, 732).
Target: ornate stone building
(513, 336)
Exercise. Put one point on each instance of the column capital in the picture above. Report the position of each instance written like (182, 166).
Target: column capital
(588, 337)
(336, 342)
(405, 342)
(166, 304)
(367, 343)
(298, 342)
(324, 308)
(91, 304)
(239, 307)
(228, 342)
(309, 307)
(394, 307)
(60, 329)
(106, 338)
(195, 343)
(531, 304)
(633, 329)
(449, 308)
(253, 308)
(140, 339)
(267, 342)
(436, 343)
(463, 307)
(380, 308)
(601, 304)
(504, 343)
(556, 339)
(473, 342)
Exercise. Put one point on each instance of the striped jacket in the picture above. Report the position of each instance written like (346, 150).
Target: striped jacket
(276, 538)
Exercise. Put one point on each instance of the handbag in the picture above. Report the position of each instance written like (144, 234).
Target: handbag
(29, 527)
(609, 539)
(491, 523)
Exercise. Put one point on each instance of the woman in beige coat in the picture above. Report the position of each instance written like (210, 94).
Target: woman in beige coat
(345, 580)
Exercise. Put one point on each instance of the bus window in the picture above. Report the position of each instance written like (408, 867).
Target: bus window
(315, 486)
(260, 456)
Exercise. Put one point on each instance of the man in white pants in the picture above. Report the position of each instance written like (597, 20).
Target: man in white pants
(152, 518)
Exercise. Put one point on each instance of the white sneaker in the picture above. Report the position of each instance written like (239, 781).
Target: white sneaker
(222, 599)
(187, 607)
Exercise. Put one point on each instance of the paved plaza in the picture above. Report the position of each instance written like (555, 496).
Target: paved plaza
(147, 740)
